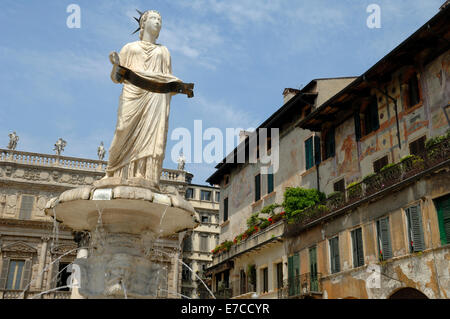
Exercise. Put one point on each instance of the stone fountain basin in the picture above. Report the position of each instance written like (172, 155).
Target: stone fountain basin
(124, 209)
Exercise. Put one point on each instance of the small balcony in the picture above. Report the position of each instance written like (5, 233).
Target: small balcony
(391, 178)
(307, 285)
(263, 238)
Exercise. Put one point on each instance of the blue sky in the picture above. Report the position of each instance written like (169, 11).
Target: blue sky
(240, 55)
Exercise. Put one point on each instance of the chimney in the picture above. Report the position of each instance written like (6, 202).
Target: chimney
(288, 94)
(242, 135)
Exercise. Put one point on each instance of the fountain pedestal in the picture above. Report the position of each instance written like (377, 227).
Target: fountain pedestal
(124, 222)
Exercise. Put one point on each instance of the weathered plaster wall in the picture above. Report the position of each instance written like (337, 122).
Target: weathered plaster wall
(427, 271)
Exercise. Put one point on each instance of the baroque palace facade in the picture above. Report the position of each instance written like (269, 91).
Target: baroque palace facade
(378, 147)
(35, 252)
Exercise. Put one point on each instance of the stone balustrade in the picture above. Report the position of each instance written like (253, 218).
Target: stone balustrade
(74, 163)
(48, 160)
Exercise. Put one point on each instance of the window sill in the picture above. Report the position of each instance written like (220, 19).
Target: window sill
(257, 203)
(269, 195)
(309, 171)
(366, 137)
(411, 109)
(225, 223)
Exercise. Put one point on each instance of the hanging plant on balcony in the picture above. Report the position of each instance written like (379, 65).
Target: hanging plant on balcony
(412, 163)
(391, 173)
(354, 190)
(297, 199)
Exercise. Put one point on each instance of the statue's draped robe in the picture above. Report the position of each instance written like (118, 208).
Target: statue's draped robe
(138, 146)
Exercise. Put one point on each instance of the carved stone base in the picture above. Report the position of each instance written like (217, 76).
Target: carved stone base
(123, 222)
(118, 267)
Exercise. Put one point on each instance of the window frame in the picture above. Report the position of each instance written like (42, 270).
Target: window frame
(203, 191)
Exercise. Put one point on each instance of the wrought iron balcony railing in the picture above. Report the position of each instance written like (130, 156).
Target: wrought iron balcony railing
(376, 184)
(301, 286)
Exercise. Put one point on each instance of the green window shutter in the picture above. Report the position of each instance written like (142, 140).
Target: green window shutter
(257, 187)
(355, 249)
(416, 238)
(330, 144)
(4, 273)
(291, 275)
(269, 183)
(357, 125)
(334, 255)
(26, 277)
(309, 153)
(296, 266)
(443, 211)
(317, 158)
(375, 123)
(358, 251)
(384, 238)
(313, 269)
(225, 209)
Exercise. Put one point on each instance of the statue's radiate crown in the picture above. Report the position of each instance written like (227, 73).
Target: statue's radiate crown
(140, 17)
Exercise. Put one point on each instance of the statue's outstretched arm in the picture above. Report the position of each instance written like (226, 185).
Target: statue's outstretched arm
(150, 81)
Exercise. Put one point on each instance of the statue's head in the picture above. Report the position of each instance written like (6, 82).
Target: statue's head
(151, 22)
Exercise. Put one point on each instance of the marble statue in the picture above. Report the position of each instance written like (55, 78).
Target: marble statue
(59, 146)
(101, 152)
(181, 162)
(138, 146)
(13, 139)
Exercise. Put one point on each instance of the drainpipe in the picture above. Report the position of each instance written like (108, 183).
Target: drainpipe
(396, 114)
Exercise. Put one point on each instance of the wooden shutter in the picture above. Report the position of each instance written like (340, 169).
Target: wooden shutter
(339, 186)
(357, 125)
(4, 273)
(418, 146)
(225, 209)
(269, 183)
(330, 146)
(309, 153)
(334, 254)
(26, 276)
(375, 123)
(415, 228)
(26, 207)
(257, 187)
(379, 164)
(384, 238)
(317, 158)
(443, 210)
(358, 251)
(291, 275)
